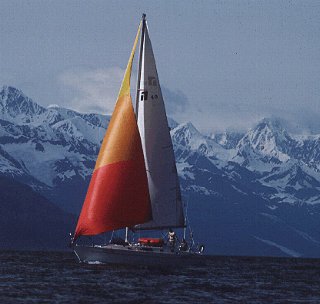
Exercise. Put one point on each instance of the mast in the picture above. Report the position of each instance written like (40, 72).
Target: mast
(138, 85)
(140, 61)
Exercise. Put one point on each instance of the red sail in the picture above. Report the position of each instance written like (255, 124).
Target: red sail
(118, 194)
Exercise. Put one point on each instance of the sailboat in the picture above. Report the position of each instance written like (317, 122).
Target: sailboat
(135, 185)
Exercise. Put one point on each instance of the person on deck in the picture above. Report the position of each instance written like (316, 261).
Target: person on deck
(172, 238)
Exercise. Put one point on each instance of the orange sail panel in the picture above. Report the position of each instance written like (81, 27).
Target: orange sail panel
(118, 194)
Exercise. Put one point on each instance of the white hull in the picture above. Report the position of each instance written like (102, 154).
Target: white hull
(128, 255)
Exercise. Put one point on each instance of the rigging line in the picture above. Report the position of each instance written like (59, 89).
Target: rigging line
(163, 234)
(186, 209)
(111, 238)
(140, 62)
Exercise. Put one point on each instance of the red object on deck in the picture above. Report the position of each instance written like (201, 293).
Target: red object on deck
(156, 242)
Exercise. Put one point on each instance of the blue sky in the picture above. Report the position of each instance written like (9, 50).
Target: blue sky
(222, 64)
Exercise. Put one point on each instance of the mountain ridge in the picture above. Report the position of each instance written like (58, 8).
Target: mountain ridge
(266, 173)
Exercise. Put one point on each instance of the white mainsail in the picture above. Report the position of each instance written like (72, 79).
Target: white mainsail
(163, 182)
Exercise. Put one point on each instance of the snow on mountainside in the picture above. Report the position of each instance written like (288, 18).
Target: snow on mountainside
(17, 106)
(235, 178)
(227, 139)
(262, 184)
(47, 147)
(187, 139)
(267, 141)
(268, 153)
(55, 144)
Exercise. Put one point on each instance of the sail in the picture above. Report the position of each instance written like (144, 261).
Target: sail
(118, 193)
(157, 146)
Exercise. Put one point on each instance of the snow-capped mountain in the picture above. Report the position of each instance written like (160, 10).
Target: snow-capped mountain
(264, 154)
(258, 192)
(47, 147)
(261, 194)
(271, 156)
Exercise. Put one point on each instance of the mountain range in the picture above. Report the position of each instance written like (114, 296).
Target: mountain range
(246, 193)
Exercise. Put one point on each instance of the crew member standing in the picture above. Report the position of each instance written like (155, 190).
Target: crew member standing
(172, 239)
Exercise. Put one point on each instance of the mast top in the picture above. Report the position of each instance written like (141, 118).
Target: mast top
(144, 16)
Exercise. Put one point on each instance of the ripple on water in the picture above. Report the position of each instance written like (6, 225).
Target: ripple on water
(51, 277)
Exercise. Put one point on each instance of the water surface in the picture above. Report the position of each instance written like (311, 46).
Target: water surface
(57, 277)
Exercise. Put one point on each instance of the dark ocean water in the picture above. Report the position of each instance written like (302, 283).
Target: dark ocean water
(50, 277)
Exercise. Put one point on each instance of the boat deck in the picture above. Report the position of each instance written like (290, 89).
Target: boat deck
(136, 255)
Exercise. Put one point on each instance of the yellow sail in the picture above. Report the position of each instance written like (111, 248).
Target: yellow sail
(118, 194)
